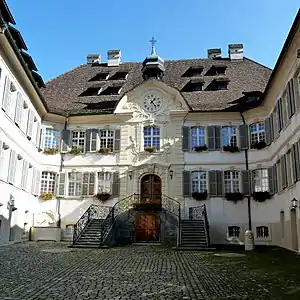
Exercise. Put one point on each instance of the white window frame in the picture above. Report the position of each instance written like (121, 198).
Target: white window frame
(198, 183)
(232, 180)
(198, 133)
(107, 139)
(104, 182)
(77, 140)
(48, 179)
(152, 136)
(230, 132)
(260, 180)
(257, 134)
(76, 182)
(51, 137)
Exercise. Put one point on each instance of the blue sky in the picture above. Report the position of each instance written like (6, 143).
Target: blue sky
(60, 33)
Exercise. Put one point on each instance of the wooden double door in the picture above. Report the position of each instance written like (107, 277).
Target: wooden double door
(151, 188)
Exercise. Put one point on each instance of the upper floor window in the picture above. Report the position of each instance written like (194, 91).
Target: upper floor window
(231, 181)
(104, 182)
(262, 232)
(51, 140)
(198, 136)
(234, 231)
(48, 181)
(199, 182)
(257, 132)
(152, 137)
(78, 138)
(229, 136)
(261, 180)
(75, 184)
(107, 139)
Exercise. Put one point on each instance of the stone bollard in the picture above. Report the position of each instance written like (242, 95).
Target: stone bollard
(249, 240)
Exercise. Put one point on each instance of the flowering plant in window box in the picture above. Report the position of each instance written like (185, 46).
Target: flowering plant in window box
(105, 150)
(50, 151)
(102, 196)
(259, 145)
(200, 148)
(199, 196)
(234, 197)
(46, 196)
(261, 196)
(230, 148)
(150, 149)
(75, 151)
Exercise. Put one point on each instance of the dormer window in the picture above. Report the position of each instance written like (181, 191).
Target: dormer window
(112, 90)
(193, 72)
(91, 91)
(216, 70)
(119, 76)
(193, 86)
(220, 83)
(100, 77)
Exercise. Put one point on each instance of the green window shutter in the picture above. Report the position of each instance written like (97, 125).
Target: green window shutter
(217, 137)
(271, 179)
(244, 137)
(220, 183)
(213, 186)
(267, 131)
(246, 176)
(283, 171)
(117, 143)
(297, 160)
(211, 138)
(294, 162)
(61, 184)
(65, 140)
(116, 184)
(186, 183)
(185, 138)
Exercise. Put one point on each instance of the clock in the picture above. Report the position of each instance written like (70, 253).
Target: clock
(152, 102)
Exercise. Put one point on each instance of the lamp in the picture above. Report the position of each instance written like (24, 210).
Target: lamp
(171, 173)
(130, 174)
(294, 202)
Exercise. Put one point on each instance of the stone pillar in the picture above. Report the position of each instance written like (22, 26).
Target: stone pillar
(249, 240)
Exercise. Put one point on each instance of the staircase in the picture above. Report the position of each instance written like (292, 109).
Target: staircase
(193, 234)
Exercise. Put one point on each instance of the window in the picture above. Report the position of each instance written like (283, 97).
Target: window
(152, 137)
(229, 137)
(78, 139)
(193, 72)
(118, 76)
(257, 132)
(198, 136)
(69, 229)
(48, 181)
(222, 85)
(234, 231)
(51, 139)
(262, 232)
(289, 167)
(107, 139)
(91, 91)
(261, 180)
(104, 182)
(231, 181)
(199, 182)
(75, 184)
(193, 86)
(284, 109)
(111, 90)
(99, 77)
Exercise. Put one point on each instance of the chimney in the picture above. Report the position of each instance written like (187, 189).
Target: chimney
(93, 58)
(236, 51)
(214, 53)
(113, 58)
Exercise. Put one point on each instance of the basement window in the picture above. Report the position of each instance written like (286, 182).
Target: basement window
(100, 77)
(91, 91)
(112, 90)
(193, 72)
(119, 76)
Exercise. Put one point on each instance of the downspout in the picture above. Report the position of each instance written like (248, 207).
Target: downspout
(247, 169)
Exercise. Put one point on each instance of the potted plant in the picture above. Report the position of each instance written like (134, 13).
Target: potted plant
(230, 148)
(200, 148)
(259, 145)
(105, 151)
(46, 196)
(102, 196)
(234, 197)
(261, 196)
(75, 151)
(50, 151)
(199, 195)
(150, 149)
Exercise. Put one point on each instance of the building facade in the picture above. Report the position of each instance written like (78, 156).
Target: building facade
(220, 131)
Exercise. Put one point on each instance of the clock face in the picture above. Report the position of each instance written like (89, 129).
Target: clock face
(152, 102)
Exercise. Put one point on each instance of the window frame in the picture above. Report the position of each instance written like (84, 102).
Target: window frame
(200, 183)
(232, 230)
(77, 182)
(104, 185)
(106, 140)
(48, 182)
(260, 232)
(78, 139)
(153, 137)
(257, 135)
(198, 136)
(260, 180)
(233, 182)
(229, 136)
(51, 138)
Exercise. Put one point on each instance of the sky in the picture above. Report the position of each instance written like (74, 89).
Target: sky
(61, 33)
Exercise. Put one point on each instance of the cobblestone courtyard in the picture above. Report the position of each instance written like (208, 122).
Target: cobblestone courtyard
(53, 271)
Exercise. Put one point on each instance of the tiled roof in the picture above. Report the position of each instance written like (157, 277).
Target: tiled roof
(62, 93)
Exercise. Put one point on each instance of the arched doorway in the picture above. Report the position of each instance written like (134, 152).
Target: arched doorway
(147, 228)
(151, 188)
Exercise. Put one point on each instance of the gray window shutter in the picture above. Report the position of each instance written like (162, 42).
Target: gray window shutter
(279, 114)
(117, 142)
(92, 183)
(297, 160)
(272, 120)
(217, 137)
(87, 142)
(267, 131)
(275, 179)
(12, 166)
(220, 183)
(1, 155)
(116, 184)
(186, 184)
(283, 171)
(246, 176)
(19, 109)
(38, 135)
(30, 124)
(271, 179)
(37, 182)
(296, 93)
(211, 138)
(85, 183)
(213, 186)
(294, 162)
(24, 175)
(292, 95)
(5, 99)
(185, 138)
(289, 100)
(65, 140)
(244, 137)
(61, 184)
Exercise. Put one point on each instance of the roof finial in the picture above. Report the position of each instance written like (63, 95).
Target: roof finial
(153, 41)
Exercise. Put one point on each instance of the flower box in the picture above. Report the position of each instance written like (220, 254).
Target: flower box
(200, 148)
(261, 196)
(102, 196)
(150, 149)
(105, 151)
(75, 151)
(50, 151)
(199, 196)
(231, 149)
(46, 196)
(258, 145)
(234, 197)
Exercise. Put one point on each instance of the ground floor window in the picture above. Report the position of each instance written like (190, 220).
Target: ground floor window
(262, 232)
(234, 231)
(48, 182)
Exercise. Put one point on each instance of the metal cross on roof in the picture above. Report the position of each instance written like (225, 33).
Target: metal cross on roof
(153, 41)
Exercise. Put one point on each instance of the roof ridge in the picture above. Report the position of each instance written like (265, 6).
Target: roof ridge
(64, 73)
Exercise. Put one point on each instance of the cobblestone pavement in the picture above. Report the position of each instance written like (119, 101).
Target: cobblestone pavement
(53, 271)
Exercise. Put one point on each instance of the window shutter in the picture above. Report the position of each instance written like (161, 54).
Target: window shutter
(296, 87)
(218, 137)
(267, 131)
(244, 137)
(283, 171)
(279, 114)
(186, 183)
(85, 183)
(38, 135)
(30, 124)
(220, 182)
(65, 140)
(275, 181)
(297, 161)
(61, 184)
(33, 181)
(246, 176)
(293, 163)
(272, 128)
(12, 166)
(92, 183)
(271, 179)
(292, 95)
(88, 147)
(117, 143)
(1, 157)
(185, 138)
(19, 109)
(24, 175)
(37, 182)
(5, 99)
(116, 184)
(211, 138)
(213, 187)
(289, 100)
